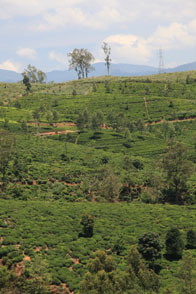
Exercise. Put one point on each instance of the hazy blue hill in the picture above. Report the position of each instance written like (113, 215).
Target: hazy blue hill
(59, 76)
(100, 70)
(184, 67)
(9, 76)
(121, 69)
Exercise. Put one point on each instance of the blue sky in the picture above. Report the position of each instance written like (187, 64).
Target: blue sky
(42, 32)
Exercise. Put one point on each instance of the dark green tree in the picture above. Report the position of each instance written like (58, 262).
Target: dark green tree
(27, 83)
(174, 244)
(87, 223)
(150, 247)
(191, 239)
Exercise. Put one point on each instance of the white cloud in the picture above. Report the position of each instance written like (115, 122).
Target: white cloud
(137, 49)
(59, 57)
(174, 36)
(9, 65)
(170, 9)
(129, 48)
(96, 14)
(27, 52)
(135, 29)
(77, 16)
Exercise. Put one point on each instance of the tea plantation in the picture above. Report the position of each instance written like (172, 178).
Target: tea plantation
(121, 151)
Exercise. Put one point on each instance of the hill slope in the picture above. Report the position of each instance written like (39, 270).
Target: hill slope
(59, 76)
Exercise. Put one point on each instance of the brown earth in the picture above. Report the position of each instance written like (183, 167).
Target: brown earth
(56, 133)
(172, 120)
(61, 124)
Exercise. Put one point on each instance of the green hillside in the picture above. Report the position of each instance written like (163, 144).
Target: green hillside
(122, 150)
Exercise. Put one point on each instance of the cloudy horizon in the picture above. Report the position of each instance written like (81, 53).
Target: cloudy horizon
(42, 32)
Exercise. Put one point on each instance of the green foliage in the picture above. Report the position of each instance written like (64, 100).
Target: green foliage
(4, 277)
(177, 170)
(174, 244)
(187, 277)
(97, 120)
(7, 142)
(34, 75)
(80, 60)
(146, 278)
(191, 239)
(87, 223)
(27, 83)
(54, 167)
(149, 246)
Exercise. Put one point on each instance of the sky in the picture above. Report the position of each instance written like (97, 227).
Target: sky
(43, 32)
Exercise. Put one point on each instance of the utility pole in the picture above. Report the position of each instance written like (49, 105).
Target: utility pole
(161, 61)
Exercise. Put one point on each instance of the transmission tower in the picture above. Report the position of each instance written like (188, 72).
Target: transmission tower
(161, 61)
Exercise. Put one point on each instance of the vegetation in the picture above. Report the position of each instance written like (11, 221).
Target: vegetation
(107, 51)
(88, 172)
(81, 60)
(33, 75)
(174, 244)
(149, 246)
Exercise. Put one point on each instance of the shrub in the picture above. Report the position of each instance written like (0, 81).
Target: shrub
(149, 246)
(147, 197)
(3, 252)
(191, 239)
(174, 244)
(87, 223)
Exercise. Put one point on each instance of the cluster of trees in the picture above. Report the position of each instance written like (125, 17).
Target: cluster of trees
(84, 121)
(34, 75)
(81, 60)
(104, 276)
(141, 272)
(167, 184)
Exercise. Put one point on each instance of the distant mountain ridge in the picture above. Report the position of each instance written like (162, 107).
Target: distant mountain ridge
(59, 76)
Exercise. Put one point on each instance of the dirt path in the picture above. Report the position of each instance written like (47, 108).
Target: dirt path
(61, 124)
(56, 133)
(172, 120)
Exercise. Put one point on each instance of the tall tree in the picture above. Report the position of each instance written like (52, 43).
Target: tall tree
(177, 169)
(81, 61)
(150, 247)
(174, 244)
(34, 75)
(107, 51)
(27, 83)
(87, 223)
